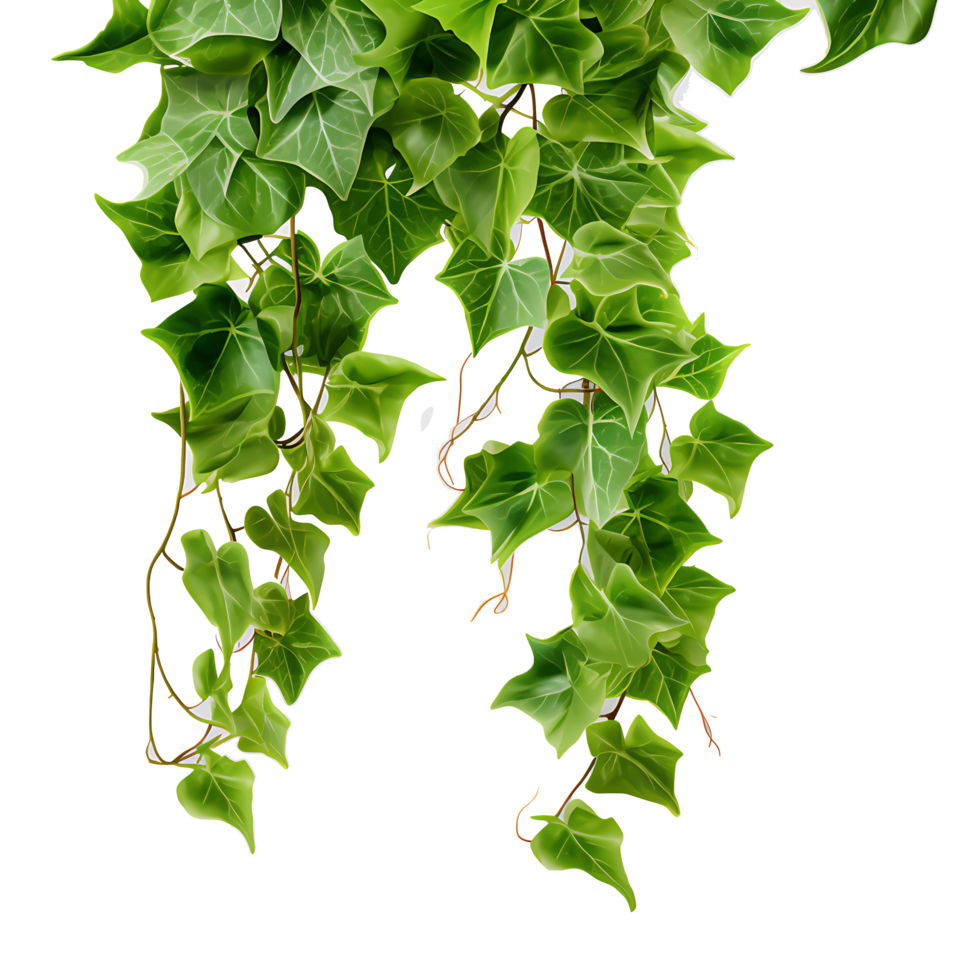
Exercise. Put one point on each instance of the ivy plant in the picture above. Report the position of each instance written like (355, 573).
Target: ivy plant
(421, 123)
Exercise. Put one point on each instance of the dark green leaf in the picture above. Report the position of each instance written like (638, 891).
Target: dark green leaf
(470, 20)
(693, 594)
(665, 682)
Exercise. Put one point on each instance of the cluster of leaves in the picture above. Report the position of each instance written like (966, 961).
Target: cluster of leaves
(370, 103)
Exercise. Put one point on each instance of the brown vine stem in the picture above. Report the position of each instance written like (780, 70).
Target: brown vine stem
(221, 504)
(509, 106)
(709, 732)
(517, 822)
(547, 251)
(534, 109)
(611, 716)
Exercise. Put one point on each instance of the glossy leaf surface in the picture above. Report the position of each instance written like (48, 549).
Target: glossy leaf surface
(221, 789)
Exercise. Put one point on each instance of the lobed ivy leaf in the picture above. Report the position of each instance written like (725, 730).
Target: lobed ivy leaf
(665, 682)
(621, 346)
(623, 50)
(511, 502)
(475, 471)
(559, 692)
(301, 546)
(857, 26)
(395, 227)
(693, 594)
(541, 41)
(168, 266)
(200, 232)
(490, 186)
(563, 437)
(497, 293)
(227, 38)
(641, 764)
(586, 182)
(720, 37)
(613, 14)
(616, 624)
(219, 581)
(609, 261)
(718, 453)
(665, 525)
(221, 354)
(367, 391)
(331, 487)
(122, 43)
(289, 659)
(470, 20)
(585, 842)
(443, 56)
(260, 725)
(430, 126)
(682, 151)
(704, 376)
(404, 30)
(220, 789)
(271, 608)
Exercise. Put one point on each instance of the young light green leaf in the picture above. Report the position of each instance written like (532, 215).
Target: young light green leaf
(430, 126)
(404, 29)
(289, 659)
(122, 43)
(559, 691)
(609, 261)
(367, 391)
(682, 151)
(693, 594)
(168, 267)
(511, 502)
(588, 182)
(540, 41)
(395, 227)
(857, 26)
(490, 187)
(332, 488)
(613, 14)
(665, 682)
(271, 608)
(497, 293)
(470, 20)
(617, 624)
(221, 789)
(301, 546)
(218, 580)
(475, 471)
(720, 37)
(585, 842)
(641, 764)
(718, 453)
(666, 525)
(563, 437)
(704, 377)
(260, 725)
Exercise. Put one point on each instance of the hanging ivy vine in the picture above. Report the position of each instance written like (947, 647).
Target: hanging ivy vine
(371, 104)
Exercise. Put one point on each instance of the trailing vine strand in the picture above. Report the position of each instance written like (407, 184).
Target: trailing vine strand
(407, 116)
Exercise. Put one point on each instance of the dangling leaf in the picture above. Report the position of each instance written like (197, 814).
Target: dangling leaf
(693, 594)
(271, 608)
(221, 789)
(331, 487)
(609, 261)
(563, 437)
(475, 471)
(260, 724)
(665, 682)
(704, 377)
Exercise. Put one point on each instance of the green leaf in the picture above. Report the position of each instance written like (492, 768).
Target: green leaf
(291, 658)
(230, 37)
(221, 789)
(623, 50)
(338, 299)
(470, 20)
(323, 133)
(201, 106)
(168, 267)
(585, 842)
(511, 502)
(617, 624)
(271, 608)
(682, 151)
(260, 724)
(609, 261)
(622, 348)
(404, 30)
(704, 377)
(497, 293)
(395, 227)
(640, 765)
(122, 43)
(857, 26)
(666, 525)
(720, 37)
(301, 546)
(331, 487)
(694, 594)
(444, 56)
(200, 232)
(210, 684)
(618, 13)
(218, 580)
(718, 453)
(665, 682)
(563, 437)
(540, 41)
(559, 691)
(246, 191)
(491, 185)
(367, 391)
(430, 126)
(607, 111)
(475, 471)
(221, 355)
(588, 182)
